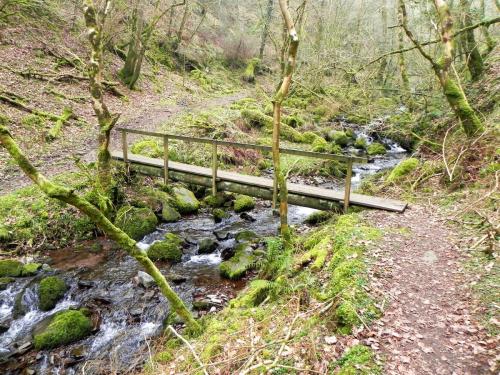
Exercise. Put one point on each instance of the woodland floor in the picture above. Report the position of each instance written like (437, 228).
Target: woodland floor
(428, 325)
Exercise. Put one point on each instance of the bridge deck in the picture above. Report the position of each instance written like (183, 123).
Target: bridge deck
(266, 183)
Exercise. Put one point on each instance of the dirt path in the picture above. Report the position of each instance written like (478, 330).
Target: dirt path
(145, 118)
(427, 326)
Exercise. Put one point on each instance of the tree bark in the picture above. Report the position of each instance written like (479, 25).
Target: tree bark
(407, 98)
(280, 95)
(490, 42)
(383, 63)
(473, 57)
(94, 21)
(265, 31)
(68, 196)
(132, 67)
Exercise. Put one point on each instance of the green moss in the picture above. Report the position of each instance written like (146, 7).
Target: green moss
(33, 121)
(246, 236)
(50, 290)
(318, 217)
(358, 360)
(256, 118)
(290, 134)
(5, 235)
(147, 147)
(216, 201)
(244, 103)
(318, 253)
(168, 250)
(294, 120)
(243, 203)
(321, 145)
(10, 268)
(185, 200)
(404, 168)
(252, 66)
(30, 269)
(361, 143)
(254, 294)
(66, 327)
(310, 137)
(5, 281)
(136, 222)
(340, 138)
(376, 149)
(169, 214)
(219, 214)
(242, 260)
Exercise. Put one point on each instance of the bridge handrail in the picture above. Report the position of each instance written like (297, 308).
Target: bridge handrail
(215, 142)
(289, 151)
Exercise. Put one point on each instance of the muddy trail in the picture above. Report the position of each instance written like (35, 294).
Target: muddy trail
(428, 325)
(145, 118)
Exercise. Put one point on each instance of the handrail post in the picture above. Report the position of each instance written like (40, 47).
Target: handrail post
(165, 159)
(275, 190)
(124, 146)
(347, 189)
(214, 168)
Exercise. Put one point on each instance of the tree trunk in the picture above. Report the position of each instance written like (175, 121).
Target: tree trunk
(183, 22)
(265, 31)
(473, 57)
(280, 95)
(490, 42)
(106, 120)
(383, 63)
(68, 196)
(133, 62)
(407, 98)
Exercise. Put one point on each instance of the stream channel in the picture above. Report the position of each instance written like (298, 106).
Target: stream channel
(126, 314)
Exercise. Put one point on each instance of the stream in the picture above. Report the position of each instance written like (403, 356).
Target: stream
(126, 312)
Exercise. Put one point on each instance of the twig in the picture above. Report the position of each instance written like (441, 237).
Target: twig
(202, 366)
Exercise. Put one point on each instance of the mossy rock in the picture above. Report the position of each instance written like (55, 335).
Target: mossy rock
(66, 327)
(30, 269)
(207, 246)
(290, 134)
(294, 120)
(242, 260)
(358, 359)
(404, 168)
(310, 137)
(340, 138)
(376, 149)
(250, 70)
(168, 250)
(243, 203)
(50, 291)
(318, 217)
(185, 200)
(5, 281)
(216, 201)
(136, 222)
(321, 145)
(361, 143)
(219, 214)
(256, 292)
(147, 147)
(256, 118)
(10, 268)
(246, 236)
(169, 214)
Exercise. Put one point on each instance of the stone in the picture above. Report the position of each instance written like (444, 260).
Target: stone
(246, 216)
(169, 214)
(177, 279)
(246, 236)
(31, 269)
(207, 246)
(144, 279)
(136, 222)
(50, 291)
(10, 268)
(169, 249)
(219, 214)
(236, 267)
(243, 203)
(227, 253)
(222, 235)
(5, 281)
(185, 201)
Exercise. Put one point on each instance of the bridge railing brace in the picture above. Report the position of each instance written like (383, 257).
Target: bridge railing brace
(349, 160)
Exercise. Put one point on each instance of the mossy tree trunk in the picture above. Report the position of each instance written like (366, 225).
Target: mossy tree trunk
(265, 30)
(280, 95)
(94, 21)
(454, 94)
(383, 63)
(405, 81)
(68, 196)
(490, 42)
(473, 57)
(131, 70)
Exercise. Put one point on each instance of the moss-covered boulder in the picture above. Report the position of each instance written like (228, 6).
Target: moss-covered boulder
(169, 214)
(256, 118)
(376, 149)
(136, 222)
(5, 281)
(217, 200)
(340, 138)
(294, 120)
(185, 201)
(246, 236)
(318, 217)
(404, 168)
(219, 214)
(50, 291)
(5, 235)
(242, 260)
(30, 269)
(169, 249)
(207, 246)
(361, 143)
(66, 327)
(250, 70)
(243, 203)
(310, 137)
(10, 268)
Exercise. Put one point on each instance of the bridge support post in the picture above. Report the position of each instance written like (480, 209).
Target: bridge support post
(214, 169)
(347, 190)
(165, 160)
(275, 191)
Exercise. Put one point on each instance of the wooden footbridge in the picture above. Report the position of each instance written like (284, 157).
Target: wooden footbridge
(220, 180)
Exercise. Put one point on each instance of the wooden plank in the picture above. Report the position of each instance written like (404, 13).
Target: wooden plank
(266, 183)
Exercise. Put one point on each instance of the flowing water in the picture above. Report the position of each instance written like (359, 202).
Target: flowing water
(127, 315)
